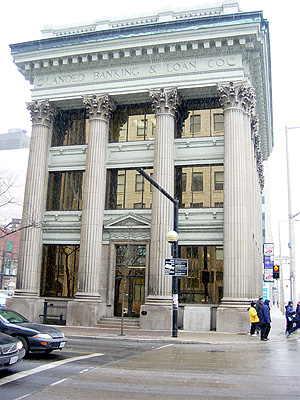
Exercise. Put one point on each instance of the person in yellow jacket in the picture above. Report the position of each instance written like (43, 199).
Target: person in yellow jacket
(253, 318)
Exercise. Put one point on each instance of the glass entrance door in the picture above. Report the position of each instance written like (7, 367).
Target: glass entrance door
(129, 280)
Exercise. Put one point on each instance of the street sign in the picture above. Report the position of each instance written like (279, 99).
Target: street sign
(176, 266)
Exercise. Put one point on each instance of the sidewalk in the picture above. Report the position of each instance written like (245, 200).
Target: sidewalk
(277, 333)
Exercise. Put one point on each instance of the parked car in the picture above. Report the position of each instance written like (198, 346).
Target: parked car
(11, 351)
(35, 337)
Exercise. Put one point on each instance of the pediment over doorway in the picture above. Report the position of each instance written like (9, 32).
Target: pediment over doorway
(127, 225)
(128, 220)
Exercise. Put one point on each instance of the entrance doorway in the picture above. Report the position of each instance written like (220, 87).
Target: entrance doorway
(129, 279)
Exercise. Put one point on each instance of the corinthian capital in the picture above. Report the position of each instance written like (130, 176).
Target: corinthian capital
(99, 106)
(165, 100)
(236, 95)
(41, 111)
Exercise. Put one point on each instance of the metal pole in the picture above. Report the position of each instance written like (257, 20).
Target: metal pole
(175, 278)
(175, 248)
(281, 273)
(291, 223)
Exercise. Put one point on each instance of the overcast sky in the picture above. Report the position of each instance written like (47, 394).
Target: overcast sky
(22, 21)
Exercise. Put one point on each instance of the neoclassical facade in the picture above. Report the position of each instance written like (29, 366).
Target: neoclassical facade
(185, 95)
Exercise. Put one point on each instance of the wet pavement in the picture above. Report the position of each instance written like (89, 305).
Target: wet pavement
(276, 333)
(196, 365)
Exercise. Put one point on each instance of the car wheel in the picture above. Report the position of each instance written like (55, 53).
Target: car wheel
(24, 342)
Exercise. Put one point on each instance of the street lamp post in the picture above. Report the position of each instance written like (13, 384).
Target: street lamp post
(174, 245)
(291, 222)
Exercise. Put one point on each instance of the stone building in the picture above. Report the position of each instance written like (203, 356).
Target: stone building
(184, 94)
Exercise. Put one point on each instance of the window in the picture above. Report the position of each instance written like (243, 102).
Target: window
(121, 183)
(132, 123)
(70, 128)
(195, 186)
(141, 127)
(139, 205)
(59, 270)
(219, 253)
(219, 180)
(204, 283)
(218, 122)
(183, 182)
(195, 123)
(127, 190)
(197, 182)
(219, 204)
(139, 183)
(65, 191)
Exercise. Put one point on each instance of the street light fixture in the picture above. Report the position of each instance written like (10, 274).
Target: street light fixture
(291, 217)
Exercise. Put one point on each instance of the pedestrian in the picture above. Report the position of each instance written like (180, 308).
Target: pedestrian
(253, 318)
(296, 319)
(258, 305)
(289, 315)
(265, 319)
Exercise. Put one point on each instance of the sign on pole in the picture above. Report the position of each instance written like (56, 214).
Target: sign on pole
(176, 266)
(268, 262)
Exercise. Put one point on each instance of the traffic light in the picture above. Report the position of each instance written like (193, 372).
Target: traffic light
(276, 272)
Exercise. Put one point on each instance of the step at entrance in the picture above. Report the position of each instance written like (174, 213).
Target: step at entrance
(115, 323)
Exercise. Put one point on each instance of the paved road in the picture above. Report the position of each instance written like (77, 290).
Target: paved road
(242, 367)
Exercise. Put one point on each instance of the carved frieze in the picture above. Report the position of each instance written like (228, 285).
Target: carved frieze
(99, 106)
(42, 112)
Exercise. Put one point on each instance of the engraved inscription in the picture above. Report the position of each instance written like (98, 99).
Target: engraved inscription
(142, 70)
(60, 80)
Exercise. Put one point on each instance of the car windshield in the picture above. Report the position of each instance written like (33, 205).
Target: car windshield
(12, 316)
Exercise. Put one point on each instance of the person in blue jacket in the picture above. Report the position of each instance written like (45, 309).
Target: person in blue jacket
(289, 315)
(265, 319)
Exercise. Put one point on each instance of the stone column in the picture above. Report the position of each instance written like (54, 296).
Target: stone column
(30, 253)
(259, 181)
(238, 102)
(165, 103)
(86, 307)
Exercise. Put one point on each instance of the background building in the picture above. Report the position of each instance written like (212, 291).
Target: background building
(9, 253)
(14, 139)
(187, 97)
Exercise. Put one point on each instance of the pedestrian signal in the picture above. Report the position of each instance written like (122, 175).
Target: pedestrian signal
(276, 272)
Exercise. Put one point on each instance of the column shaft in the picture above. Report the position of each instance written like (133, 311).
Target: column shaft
(34, 200)
(99, 108)
(164, 103)
(238, 102)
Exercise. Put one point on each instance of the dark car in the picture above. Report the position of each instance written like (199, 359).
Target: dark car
(11, 351)
(35, 337)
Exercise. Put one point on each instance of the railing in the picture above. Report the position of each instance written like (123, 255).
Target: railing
(54, 314)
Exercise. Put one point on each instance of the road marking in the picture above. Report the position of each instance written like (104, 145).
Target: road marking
(58, 382)
(42, 368)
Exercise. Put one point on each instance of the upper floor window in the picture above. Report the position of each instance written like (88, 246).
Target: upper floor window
(127, 189)
(65, 191)
(70, 127)
(199, 186)
(204, 118)
(132, 123)
(219, 180)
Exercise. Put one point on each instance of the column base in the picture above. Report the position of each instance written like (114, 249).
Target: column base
(156, 314)
(27, 304)
(233, 317)
(85, 311)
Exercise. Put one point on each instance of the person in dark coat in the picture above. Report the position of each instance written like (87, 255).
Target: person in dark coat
(265, 319)
(258, 305)
(296, 319)
(289, 315)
